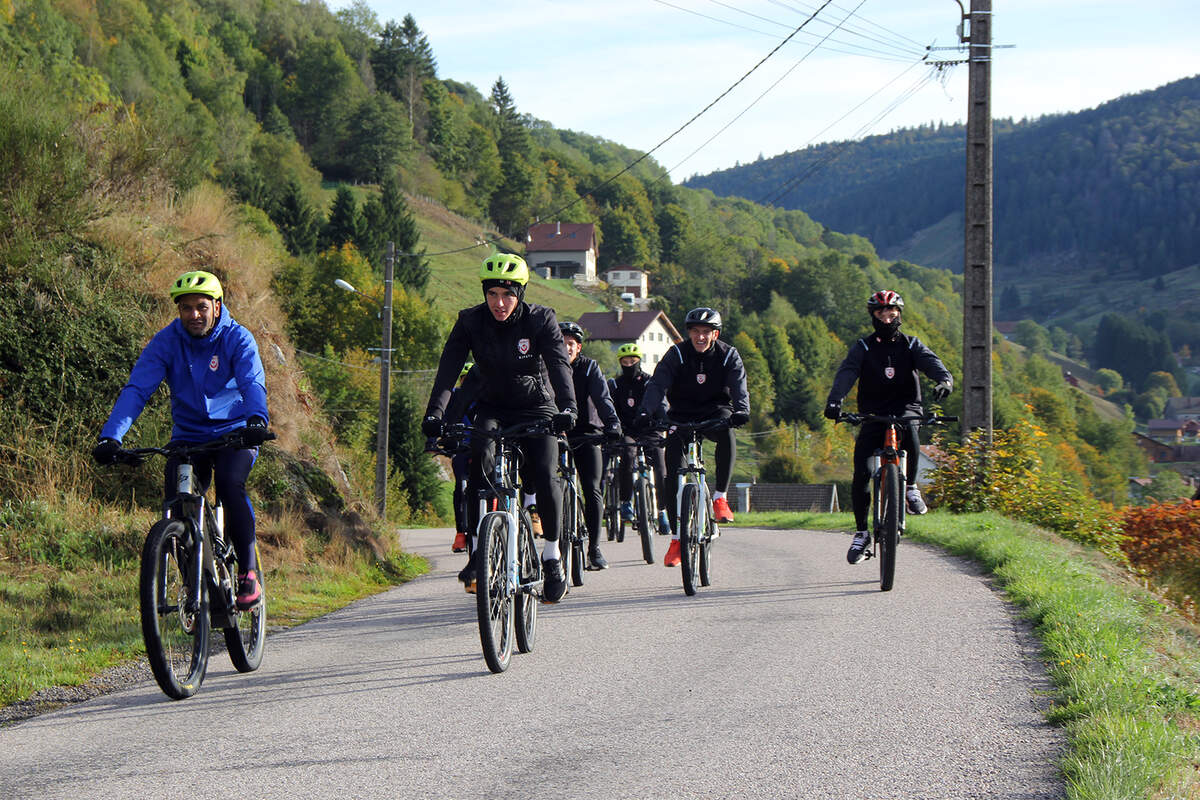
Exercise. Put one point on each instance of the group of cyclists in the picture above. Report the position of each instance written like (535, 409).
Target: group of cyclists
(507, 361)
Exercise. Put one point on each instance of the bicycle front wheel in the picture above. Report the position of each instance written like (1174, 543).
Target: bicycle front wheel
(493, 602)
(525, 603)
(689, 538)
(612, 508)
(645, 518)
(706, 551)
(571, 542)
(245, 640)
(175, 630)
(888, 536)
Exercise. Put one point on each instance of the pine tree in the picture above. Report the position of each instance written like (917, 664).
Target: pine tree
(297, 220)
(345, 220)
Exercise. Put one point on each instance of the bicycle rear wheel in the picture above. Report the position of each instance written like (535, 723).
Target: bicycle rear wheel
(645, 518)
(689, 538)
(888, 535)
(175, 634)
(526, 602)
(493, 602)
(245, 641)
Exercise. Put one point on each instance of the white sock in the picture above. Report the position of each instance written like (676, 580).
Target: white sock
(718, 495)
(550, 551)
(530, 499)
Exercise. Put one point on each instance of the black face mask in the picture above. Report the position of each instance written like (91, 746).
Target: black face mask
(885, 330)
(631, 370)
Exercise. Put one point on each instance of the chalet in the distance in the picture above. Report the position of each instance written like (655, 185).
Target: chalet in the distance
(651, 329)
(563, 250)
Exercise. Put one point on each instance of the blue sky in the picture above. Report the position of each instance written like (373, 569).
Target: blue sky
(634, 71)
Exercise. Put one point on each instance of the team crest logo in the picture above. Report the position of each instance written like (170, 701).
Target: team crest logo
(630, 402)
(701, 377)
(523, 347)
(212, 365)
(889, 372)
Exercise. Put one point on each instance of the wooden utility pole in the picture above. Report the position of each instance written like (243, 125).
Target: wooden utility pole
(385, 385)
(977, 251)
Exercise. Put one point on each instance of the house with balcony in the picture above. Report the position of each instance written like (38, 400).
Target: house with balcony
(651, 329)
(563, 250)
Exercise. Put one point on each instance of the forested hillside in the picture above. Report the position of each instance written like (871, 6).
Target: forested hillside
(1094, 211)
(315, 134)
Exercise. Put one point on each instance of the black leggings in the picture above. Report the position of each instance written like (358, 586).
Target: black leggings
(658, 463)
(231, 468)
(870, 439)
(541, 463)
(589, 463)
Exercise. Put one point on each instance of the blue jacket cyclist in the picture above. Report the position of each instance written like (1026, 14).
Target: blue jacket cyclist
(212, 367)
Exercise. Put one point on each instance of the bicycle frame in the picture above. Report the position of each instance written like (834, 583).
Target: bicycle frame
(890, 453)
(694, 472)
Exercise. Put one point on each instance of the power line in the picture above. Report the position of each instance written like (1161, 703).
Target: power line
(768, 89)
(803, 10)
(900, 50)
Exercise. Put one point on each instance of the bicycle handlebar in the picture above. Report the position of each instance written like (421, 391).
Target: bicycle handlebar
(137, 455)
(928, 418)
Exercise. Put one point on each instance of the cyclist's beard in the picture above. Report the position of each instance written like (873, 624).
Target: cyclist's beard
(886, 330)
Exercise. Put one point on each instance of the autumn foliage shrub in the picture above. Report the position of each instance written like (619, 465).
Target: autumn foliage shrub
(1164, 537)
(1012, 476)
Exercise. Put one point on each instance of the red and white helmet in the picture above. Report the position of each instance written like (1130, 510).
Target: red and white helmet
(884, 298)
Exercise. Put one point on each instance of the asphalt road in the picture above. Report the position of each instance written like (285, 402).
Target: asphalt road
(792, 676)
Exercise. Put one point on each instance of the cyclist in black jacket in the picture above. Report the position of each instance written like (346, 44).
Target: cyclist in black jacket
(701, 378)
(525, 376)
(596, 414)
(885, 364)
(627, 390)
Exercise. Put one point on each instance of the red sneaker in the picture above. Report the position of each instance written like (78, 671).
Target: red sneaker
(721, 511)
(249, 590)
(672, 559)
(460, 543)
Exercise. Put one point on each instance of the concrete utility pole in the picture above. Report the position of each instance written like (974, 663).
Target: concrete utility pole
(385, 385)
(977, 251)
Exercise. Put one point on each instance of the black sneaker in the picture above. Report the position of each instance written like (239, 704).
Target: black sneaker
(862, 540)
(555, 582)
(596, 559)
(467, 576)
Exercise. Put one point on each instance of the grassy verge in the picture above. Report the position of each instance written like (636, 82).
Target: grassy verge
(1126, 668)
(61, 624)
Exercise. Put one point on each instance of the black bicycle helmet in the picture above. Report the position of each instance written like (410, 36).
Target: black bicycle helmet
(885, 298)
(703, 316)
(572, 329)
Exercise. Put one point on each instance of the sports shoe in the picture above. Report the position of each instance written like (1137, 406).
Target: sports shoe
(916, 503)
(664, 524)
(535, 522)
(467, 576)
(627, 511)
(596, 559)
(249, 591)
(555, 585)
(862, 540)
(460, 543)
(672, 558)
(721, 511)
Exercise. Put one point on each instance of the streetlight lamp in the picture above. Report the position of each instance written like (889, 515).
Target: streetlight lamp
(385, 377)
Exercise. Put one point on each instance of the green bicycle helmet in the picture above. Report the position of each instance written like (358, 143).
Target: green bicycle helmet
(504, 267)
(629, 349)
(198, 282)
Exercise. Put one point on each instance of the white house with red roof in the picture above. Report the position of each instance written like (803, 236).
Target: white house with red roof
(563, 250)
(651, 329)
(627, 280)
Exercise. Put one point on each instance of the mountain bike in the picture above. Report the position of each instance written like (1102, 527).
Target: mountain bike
(693, 503)
(888, 467)
(507, 563)
(187, 578)
(643, 497)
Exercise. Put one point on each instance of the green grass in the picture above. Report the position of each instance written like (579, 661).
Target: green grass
(1126, 668)
(64, 621)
